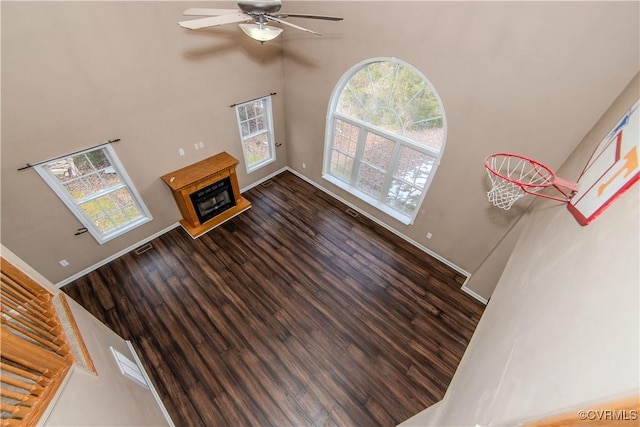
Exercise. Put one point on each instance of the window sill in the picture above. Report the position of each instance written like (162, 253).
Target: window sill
(102, 239)
(262, 164)
(368, 199)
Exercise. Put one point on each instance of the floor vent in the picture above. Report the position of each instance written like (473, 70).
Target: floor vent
(352, 213)
(267, 183)
(143, 249)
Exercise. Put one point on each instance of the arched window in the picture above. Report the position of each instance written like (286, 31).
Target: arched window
(386, 131)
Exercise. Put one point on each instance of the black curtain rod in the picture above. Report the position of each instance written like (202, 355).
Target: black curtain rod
(249, 100)
(30, 165)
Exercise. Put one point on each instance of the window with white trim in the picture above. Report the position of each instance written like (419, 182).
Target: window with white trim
(255, 123)
(385, 135)
(95, 187)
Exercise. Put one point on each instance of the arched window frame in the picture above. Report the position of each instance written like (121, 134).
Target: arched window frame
(365, 128)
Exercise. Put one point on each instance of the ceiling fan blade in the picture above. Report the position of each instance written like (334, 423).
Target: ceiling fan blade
(272, 18)
(214, 21)
(304, 15)
(197, 11)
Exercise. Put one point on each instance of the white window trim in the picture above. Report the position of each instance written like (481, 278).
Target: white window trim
(332, 114)
(64, 196)
(268, 113)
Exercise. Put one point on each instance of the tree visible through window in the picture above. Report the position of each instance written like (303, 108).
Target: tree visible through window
(256, 133)
(95, 187)
(385, 136)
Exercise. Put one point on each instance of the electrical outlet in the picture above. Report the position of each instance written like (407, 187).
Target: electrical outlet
(429, 235)
(181, 151)
(304, 166)
(64, 262)
(196, 146)
(201, 144)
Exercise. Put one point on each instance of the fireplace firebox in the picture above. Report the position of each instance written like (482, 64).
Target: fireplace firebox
(213, 200)
(207, 193)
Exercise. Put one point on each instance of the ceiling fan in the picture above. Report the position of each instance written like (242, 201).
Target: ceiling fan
(259, 11)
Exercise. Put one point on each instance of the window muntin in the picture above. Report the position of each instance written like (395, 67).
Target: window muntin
(385, 136)
(95, 187)
(255, 123)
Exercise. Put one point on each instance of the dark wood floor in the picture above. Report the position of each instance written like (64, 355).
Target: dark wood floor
(292, 314)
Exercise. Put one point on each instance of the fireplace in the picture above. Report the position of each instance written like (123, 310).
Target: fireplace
(207, 193)
(213, 200)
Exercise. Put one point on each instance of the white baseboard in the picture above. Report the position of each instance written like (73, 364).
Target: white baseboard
(148, 239)
(382, 224)
(150, 383)
(473, 293)
(318, 186)
(114, 256)
(266, 178)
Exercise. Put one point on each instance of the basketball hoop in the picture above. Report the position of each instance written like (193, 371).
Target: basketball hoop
(512, 176)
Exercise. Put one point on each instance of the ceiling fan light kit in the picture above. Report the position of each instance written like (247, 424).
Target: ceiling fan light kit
(260, 32)
(258, 11)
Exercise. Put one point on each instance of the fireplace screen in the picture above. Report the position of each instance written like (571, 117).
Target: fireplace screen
(213, 200)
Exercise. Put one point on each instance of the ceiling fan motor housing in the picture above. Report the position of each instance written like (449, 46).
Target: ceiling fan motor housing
(259, 6)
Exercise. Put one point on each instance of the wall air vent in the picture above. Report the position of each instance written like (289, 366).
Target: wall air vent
(352, 213)
(129, 368)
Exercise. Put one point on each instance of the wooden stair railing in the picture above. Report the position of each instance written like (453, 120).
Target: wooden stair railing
(34, 350)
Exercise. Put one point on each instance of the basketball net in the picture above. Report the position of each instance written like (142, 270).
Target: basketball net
(513, 176)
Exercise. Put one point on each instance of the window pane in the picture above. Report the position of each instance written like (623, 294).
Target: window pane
(388, 120)
(397, 115)
(245, 128)
(403, 197)
(112, 210)
(377, 151)
(99, 194)
(346, 137)
(122, 207)
(395, 98)
(432, 137)
(356, 99)
(242, 112)
(80, 165)
(261, 123)
(110, 177)
(256, 108)
(98, 159)
(89, 162)
(341, 166)
(76, 189)
(256, 149)
(256, 133)
(253, 125)
(64, 169)
(413, 166)
(104, 224)
(94, 183)
(93, 210)
(370, 181)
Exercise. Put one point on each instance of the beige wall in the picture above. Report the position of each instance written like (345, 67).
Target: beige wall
(75, 74)
(562, 330)
(527, 77)
(108, 399)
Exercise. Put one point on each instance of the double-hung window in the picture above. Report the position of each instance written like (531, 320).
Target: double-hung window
(385, 136)
(255, 122)
(95, 187)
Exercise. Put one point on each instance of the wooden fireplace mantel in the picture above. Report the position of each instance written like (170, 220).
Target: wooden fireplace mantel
(186, 181)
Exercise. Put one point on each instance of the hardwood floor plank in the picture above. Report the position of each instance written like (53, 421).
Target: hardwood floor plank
(294, 313)
(271, 413)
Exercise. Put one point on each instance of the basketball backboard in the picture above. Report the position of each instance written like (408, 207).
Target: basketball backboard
(612, 169)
